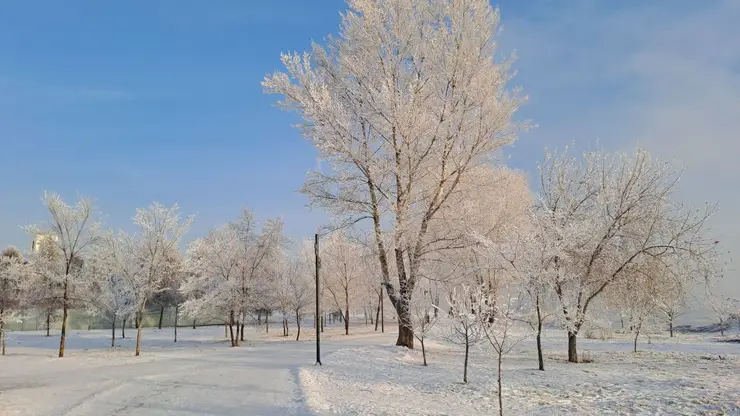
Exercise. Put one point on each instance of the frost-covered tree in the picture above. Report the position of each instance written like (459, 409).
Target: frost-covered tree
(230, 271)
(403, 106)
(341, 273)
(723, 306)
(11, 274)
(498, 314)
(71, 233)
(143, 260)
(607, 214)
(524, 253)
(464, 327)
(423, 316)
(296, 286)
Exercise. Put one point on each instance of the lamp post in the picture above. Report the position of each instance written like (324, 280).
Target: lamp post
(318, 306)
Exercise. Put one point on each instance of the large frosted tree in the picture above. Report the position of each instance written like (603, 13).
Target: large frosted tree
(403, 105)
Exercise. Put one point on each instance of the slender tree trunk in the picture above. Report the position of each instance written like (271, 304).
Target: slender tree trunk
(177, 309)
(238, 328)
(65, 312)
(540, 360)
(226, 330)
(572, 348)
(364, 310)
(2, 336)
(161, 316)
(323, 322)
(298, 324)
(48, 324)
(722, 328)
(346, 311)
(637, 334)
(382, 312)
(231, 329)
(193, 323)
(259, 318)
(138, 333)
(377, 317)
(123, 329)
(113, 332)
(467, 353)
(423, 351)
(242, 333)
(500, 394)
(670, 327)
(267, 325)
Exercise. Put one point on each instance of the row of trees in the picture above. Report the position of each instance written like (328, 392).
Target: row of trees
(236, 271)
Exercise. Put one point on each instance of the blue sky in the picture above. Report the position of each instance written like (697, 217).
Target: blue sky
(137, 101)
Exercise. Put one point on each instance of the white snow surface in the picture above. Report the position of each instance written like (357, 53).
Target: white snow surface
(668, 377)
(362, 375)
(198, 375)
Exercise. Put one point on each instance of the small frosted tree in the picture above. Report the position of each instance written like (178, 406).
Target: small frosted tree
(723, 307)
(297, 285)
(423, 317)
(464, 327)
(11, 275)
(498, 314)
(70, 234)
(143, 259)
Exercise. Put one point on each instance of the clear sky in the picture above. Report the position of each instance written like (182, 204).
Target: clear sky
(132, 102)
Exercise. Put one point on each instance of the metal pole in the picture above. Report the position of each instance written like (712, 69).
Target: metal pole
(318, 306)
(382, 317)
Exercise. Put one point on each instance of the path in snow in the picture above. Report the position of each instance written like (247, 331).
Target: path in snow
(202, 377)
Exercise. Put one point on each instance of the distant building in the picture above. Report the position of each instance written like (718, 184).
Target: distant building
(41, 239)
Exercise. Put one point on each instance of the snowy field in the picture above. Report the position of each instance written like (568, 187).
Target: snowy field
(363, 374)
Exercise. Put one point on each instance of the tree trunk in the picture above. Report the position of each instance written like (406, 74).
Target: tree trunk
(346, 312)
(267, 325)
(2, 336)
(572, 349)
(65, 312)
(423, 352)
(161, 316)
(500, 394)
(231, 329)
(238, 328)
(637, 334)
(722, 328)
(405, 334)
(138, 335)
(48, 323)
(193, 323)
(259, 318)
(123, 329)
(540, 360)
(382, 313)
(113, 332)
(177, 308)
(323, 322)
(226, 330)
(298, 324)
(670, 327)
(467, 353)
(242, 333)
(377, 317)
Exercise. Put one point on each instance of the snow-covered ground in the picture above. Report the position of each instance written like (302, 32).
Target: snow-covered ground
(362, 374)
(200, 375)
(669, 376)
